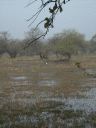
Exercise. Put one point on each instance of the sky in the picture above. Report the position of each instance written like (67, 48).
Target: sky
(77, 14)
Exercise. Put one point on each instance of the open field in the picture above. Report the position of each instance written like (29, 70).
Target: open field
(53, 95)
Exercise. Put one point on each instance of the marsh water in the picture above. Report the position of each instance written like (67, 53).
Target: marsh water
(83, 100)
(48, 99)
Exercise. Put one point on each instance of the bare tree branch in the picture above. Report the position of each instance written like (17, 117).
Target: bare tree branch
(33, 41)
(30, 3)
(48, 21)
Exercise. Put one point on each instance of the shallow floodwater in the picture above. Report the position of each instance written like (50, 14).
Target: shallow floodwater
(29, 105)
(47, 80)
(87, 103)
(19, 78)
(48, 83)
(86, 100)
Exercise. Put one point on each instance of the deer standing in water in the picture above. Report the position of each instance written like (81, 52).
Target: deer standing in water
(88, 72)
(44, 57)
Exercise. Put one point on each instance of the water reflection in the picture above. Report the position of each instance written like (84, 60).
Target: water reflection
(48, 83)
(87, 103)
(43, 110)
(86, 100)
(19, 78)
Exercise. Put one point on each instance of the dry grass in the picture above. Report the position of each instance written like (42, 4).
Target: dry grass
(67, 76)
(26, 81)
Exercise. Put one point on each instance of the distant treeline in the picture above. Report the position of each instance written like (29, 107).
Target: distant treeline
(67, 43)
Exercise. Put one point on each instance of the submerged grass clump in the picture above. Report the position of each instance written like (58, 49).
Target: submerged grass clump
(92, 119)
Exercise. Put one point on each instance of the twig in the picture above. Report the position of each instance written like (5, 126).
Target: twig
(34, 19)
(30, 3)
(33, 41)
(57, 7)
